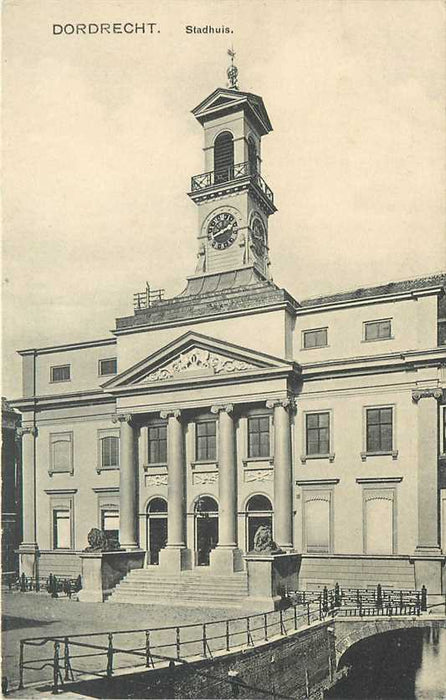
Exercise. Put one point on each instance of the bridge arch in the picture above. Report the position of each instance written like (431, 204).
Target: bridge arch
(348, 633)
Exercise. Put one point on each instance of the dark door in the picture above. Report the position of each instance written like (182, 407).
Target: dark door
(157, 537)
(207, 538)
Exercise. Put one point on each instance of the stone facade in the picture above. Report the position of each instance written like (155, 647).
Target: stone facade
(235, 405)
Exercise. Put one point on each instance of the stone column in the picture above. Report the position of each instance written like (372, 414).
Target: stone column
(427, 566)
(283, 482)
(28, 548)
(226, 557)
(175, 556)
(128, 482)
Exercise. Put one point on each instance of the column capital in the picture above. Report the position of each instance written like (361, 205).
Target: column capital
(288, 404)
(122, 418)
(30, 430)
(431, 393)
(227, 408)
(170, 413)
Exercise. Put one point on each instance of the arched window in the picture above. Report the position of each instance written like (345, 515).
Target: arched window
(156, 528)
(206, 528)
(252, 156)
(224, 157)
(259, 512)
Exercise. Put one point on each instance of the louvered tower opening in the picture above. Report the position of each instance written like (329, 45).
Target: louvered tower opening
(252, 156)
(224, 157)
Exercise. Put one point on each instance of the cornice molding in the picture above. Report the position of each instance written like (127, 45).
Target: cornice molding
(68, 346)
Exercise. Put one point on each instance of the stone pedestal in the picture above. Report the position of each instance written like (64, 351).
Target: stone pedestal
(226, 560)
(28, 560)
(172, 560)
(428, 572)
(270, 575)
(102, 571)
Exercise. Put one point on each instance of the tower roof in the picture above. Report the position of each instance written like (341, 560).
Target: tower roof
(224, 101)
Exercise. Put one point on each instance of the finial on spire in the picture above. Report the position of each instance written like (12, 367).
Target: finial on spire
(232, 71)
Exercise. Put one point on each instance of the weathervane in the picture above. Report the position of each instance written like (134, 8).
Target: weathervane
(232, 71)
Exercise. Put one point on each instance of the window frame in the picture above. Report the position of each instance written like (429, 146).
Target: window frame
(442, 430)
(259, 457)
(307, 331)
(107, 359)
(207, 459)
(155, 426)
(101, 434)
(393, 452)
(108, 508)
(59, 381)
(377, 321)
(61, 499)
(330, 455)
(69, 437)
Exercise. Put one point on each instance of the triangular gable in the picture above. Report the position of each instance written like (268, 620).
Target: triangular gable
(191, 356)
(224, 99)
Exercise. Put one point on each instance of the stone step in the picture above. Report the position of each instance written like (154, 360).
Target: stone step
(142, 599)
(149, 586)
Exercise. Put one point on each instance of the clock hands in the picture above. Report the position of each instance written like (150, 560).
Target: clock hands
(217, 234)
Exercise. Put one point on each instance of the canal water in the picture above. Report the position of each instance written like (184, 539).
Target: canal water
(401, 664)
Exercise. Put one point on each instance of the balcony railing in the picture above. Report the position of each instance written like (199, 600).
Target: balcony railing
(226, 175)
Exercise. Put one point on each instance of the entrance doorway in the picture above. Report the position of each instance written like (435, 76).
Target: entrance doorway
(259, 511)
(156, 528)
(206, 528)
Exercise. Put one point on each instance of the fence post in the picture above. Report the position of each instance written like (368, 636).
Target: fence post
(265, 625)
(21, 655)
(227, 636)
(423, 598)
(23, 583)
(320, 607)
(149, 659)
(249, 641)
(178, 642)
(56, 669)
(66, 656)
(37, 584)
(325, 600)
(110, 656)
(379, 596)
(337, 595)
(308, 613)
(295, 617)
(204, 641)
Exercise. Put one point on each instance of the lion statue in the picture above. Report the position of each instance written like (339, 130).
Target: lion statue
(263, 541)
(99, 542)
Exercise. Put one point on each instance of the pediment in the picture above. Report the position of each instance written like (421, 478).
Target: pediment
(223, 99)
(194, 356)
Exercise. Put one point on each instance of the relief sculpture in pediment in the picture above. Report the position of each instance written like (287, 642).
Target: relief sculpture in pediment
(198, 359)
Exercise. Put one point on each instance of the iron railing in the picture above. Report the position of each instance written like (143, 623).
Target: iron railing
(233, 172)
(53, 584)
(101, 654)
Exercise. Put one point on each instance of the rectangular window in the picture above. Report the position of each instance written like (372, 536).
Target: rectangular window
(315, 338)
(377, 330)
(258, 437)
(61, 528)
(110, 522)
(108, 366)
(61, 373)
(110, 452)
(61, 452)
(158, 444)
(317, 433)
(206, 441)
(379, 426)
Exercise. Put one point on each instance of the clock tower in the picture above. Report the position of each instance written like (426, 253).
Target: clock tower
(234, 202)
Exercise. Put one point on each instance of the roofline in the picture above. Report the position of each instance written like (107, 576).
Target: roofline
(374, 299)
(68, 346)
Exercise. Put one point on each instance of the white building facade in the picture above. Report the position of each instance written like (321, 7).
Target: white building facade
(235, 405)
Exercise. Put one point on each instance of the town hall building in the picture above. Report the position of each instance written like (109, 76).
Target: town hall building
(234, 405)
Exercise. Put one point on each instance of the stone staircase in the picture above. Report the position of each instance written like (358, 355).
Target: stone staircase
(188, 588)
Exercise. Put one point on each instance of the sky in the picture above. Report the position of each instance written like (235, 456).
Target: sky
(99, 146)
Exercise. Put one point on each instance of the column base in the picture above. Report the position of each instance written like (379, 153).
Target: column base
(226, 560)
(172, 560)
(428, 564)
(28, 553)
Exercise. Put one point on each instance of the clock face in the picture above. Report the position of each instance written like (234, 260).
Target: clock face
(222, 230)
(258, 237)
